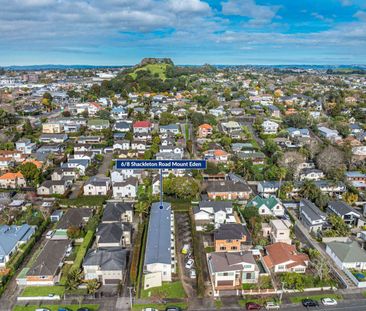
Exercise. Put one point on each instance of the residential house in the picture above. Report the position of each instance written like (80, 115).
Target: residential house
(274, 111)
(74, 217)
(216, 155)
(142, 127)
(351, 217)
(231, 126)
(98, 124)
(126, 188)
(268, 206)
(12, 180)
(11, 237)
(232, 238)
(122, 126)
(160, 243)
(53, 138)
(170, 128)
(228, 190)
(311, 174)
(46, 270)
(229, 271)
(25, 146)
(121, 145)
(282, 257)
(116, 211)
(204, 130)
(119, 113)
(269, 127)
(113, 235)
(357, 179)
(50, 187)
(97, 186)
(278, 230)
(329, 134)
(311, 216)
(80, 165)
(107, 265)
(347, 255)
(213, 213)
(52, 128)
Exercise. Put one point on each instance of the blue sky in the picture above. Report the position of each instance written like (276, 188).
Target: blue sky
(117, 32)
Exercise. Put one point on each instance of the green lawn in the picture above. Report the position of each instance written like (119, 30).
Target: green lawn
(55, 307)
(160, 69)
(34, 291)
(167, 290)
(298, 299)
(139, 307)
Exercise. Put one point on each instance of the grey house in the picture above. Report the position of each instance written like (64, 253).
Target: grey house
(346, 212)
(311, 216)
(114, 235)
(107, 265)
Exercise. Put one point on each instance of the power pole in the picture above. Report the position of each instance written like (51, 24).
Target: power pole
(282, 289)
(130, 288)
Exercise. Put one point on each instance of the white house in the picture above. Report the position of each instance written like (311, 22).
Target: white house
(97, 186)
(269, 127)
(160, 244)
(126, 188)
(213, 212)
(347, 255)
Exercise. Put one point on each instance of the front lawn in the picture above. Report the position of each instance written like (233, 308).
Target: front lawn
(167, 290)
(56, 307)
(298, 299)
(139, 307)
(35, 291)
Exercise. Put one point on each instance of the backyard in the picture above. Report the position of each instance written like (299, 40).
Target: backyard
(35, 291)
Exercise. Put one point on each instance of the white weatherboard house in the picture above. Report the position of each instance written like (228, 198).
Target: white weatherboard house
(347, 255)
(160, 245)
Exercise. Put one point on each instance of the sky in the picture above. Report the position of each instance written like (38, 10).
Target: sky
(122, 32)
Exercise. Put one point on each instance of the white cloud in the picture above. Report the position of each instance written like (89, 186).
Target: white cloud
(361, 15)
(258, 14)
(321, 17)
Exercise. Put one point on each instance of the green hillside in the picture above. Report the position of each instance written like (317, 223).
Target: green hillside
(159, 69)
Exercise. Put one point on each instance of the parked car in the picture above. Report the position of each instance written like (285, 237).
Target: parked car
(150, 309)
(63, 309)
(42, 309)
(329, 302)
(49, 234)
(185, 248)
(192, 274)
(253, 306)
(310, 303)
(270, 305)
(189, 264)
(83, 309)
(173, 309)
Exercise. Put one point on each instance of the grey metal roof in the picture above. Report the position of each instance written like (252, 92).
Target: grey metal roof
(112, 232)
(114, 210)
(341, 208)
(49, 259)
(108, 259)
(158, 245)
(221, 261)
(311, 210)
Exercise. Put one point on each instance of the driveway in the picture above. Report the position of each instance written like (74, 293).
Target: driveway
(104, 167)
(184, 236)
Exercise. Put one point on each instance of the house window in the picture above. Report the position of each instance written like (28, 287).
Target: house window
(233, 248)
(222, 248)
(263, 210)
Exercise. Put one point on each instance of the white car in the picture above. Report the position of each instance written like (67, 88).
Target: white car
(189, 264)
(329, 302)
(270, 305)
(150, 309)
(192, 274)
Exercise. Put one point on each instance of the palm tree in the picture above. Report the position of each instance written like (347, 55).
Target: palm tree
(142, 208)
(73, 279)
(92, 286)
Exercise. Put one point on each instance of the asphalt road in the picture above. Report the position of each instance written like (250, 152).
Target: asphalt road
(353, 305)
